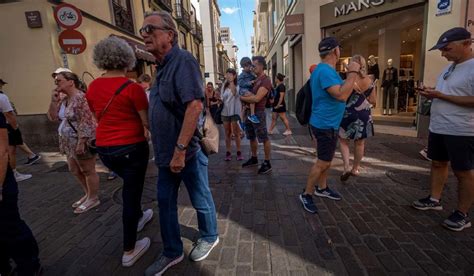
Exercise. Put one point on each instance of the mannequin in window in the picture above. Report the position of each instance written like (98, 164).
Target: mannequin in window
(389, 85)
(373, 68)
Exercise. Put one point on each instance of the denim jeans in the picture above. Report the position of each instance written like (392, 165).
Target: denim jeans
(130, 163)
(16, 240)
(194, 175)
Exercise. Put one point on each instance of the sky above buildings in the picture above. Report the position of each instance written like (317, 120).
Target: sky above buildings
(238, 15)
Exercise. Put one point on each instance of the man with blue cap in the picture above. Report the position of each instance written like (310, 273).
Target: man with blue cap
(451, 137)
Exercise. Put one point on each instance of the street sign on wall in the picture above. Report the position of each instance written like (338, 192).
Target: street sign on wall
(72, 42)
(68, 16)
(294, 24)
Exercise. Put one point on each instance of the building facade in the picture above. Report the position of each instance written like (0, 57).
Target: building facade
(287, 33)
(32, 53)
(230, 47)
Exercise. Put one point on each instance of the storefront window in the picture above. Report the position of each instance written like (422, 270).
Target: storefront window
(286, 61)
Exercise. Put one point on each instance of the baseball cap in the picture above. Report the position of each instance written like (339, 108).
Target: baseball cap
(327, 44)
(59, 70)
(454, 34)
(3, 82)
(245, 61)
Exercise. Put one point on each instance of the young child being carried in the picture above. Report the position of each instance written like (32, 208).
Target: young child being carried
(245, 81)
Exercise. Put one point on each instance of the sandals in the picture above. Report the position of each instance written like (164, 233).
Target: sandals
(83, 208)
(345, 176)
(79, 202)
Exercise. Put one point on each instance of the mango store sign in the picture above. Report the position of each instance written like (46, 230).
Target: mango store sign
(355, 6)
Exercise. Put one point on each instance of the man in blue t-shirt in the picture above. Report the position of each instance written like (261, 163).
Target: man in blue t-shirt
(329, 94)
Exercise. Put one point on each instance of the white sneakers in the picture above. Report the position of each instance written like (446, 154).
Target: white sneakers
(141, 246)
(20, 176)
(287, 132)
(147, 215)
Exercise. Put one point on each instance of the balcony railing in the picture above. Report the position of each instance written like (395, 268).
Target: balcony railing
(164, 4)
(198, 34)
(123, 18)
(182, 16)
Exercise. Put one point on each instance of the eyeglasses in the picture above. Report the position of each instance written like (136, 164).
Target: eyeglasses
(149, 29)
(449, 72)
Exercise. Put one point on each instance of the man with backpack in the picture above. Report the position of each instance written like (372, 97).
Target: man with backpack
(329, 94)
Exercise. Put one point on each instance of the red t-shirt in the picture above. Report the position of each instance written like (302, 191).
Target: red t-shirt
(120, 124)
(262, 81)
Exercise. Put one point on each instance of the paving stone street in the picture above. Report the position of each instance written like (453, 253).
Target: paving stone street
(263, 228)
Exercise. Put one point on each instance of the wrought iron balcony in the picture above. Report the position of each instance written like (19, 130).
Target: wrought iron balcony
(198, 31)
(123, 18)
(182, 16)
(164, 4)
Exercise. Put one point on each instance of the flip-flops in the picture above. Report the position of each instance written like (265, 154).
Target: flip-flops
(83, 208)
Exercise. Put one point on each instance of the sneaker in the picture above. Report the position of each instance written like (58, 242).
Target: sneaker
(308, 203)
(424, 154)
(20, 176)
(242, 126)
(457, 221)
(427, 204)
(287, 132)
(270, 132)
(327, 193)
(265, 168)
(254, 119)
(202, 249)
(33, 160)
(228, 156)
(141, 246)
(253, 161)
(162, 264)
(239, 156)
(146, 217)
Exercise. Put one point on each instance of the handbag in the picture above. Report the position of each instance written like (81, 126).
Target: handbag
(208, 137)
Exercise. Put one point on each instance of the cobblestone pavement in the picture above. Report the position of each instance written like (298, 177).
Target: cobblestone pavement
(263, 229)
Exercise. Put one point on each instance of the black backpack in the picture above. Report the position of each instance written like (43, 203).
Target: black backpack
(304, 104)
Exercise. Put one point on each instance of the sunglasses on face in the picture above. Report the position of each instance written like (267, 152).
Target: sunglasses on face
(149, 29)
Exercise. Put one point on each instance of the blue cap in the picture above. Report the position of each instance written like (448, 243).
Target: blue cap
(454, 34)
(327, 44)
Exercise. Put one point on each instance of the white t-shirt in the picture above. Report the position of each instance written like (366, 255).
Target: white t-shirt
(448, 118)
(232, 104)
(5, 105)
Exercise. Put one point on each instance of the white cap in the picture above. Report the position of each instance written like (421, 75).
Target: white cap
(59, 70)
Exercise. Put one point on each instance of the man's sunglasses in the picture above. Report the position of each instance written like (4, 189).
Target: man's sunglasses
(449, 72)
(149, 29)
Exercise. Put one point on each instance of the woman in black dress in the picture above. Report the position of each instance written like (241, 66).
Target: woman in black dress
(357, 122)
(279, 106)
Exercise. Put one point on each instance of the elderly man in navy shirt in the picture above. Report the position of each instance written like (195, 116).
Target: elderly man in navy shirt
(176, 104)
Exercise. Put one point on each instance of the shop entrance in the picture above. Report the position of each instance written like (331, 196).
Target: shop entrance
(396, 38)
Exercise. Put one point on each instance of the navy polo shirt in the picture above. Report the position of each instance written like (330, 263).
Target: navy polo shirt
(178, 82)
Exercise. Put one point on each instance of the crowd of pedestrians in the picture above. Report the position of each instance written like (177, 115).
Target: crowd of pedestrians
(115, 118)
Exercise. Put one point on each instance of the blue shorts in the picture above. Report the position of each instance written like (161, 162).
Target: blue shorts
(327, 142)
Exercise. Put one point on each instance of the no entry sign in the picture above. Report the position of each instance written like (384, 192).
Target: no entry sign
(68, 16)
(72, 42)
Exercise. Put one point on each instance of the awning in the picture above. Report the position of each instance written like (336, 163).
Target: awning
(138, 49)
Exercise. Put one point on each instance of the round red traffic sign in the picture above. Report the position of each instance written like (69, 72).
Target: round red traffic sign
(72, 42)
(68, 16)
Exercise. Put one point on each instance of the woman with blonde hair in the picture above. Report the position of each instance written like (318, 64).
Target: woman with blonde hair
(76, 130)
(357, 122)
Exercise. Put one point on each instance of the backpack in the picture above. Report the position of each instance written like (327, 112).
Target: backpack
(270, 98)
(304, 104)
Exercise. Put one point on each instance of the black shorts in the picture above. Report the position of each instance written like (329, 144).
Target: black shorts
(459, 150)
(14, 136)
(256, 131)
(327, 142)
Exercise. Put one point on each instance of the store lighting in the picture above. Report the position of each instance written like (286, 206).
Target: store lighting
(418, 29)
(358, 30)
(403, 41)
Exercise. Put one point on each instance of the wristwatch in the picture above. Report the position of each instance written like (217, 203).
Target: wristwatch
(181, 147)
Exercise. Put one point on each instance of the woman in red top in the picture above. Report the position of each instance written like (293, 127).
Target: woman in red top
(120, 137)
